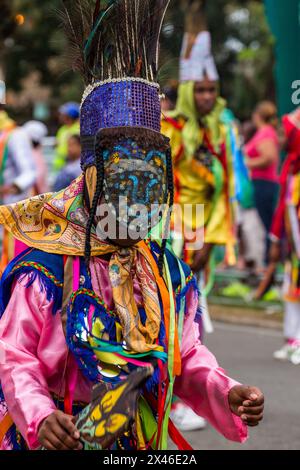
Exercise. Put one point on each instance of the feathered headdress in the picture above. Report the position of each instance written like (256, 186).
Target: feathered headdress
(114, 44)
(113, 39)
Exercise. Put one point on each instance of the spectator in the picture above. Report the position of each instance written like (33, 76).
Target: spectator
(17, 175)
(263, 152)
(285, 234)
(69, 117)
(251, 242)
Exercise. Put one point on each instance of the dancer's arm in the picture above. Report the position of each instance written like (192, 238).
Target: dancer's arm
(209, 391)
(23, 377)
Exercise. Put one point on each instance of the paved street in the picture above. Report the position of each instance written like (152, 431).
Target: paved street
(246, 353)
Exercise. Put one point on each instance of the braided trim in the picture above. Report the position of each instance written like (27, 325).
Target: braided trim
(38, 267)
(93, 296)
(187, 281)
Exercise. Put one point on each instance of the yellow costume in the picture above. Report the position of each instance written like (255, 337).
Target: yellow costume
(198, 182)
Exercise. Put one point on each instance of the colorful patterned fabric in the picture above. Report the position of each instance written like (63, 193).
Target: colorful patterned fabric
(94, 333)
(56, 224)
(52, 223)
(97, 339)
(286, 220)
(112, 411)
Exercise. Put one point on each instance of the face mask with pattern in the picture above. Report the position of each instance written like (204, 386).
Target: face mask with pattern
(135, 186)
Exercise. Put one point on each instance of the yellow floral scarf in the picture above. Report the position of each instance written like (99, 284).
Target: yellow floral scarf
(55, 223)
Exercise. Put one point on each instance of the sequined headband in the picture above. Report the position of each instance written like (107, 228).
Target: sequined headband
(130, 102)
(118, 103)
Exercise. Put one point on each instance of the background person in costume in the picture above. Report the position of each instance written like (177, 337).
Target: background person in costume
(168, 102)
(36, 132)
(17, 172)
(108, 313)
(286, 231)
(204, 142)
(69, 118)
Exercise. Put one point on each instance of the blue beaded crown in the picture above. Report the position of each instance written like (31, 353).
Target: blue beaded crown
(124, 103)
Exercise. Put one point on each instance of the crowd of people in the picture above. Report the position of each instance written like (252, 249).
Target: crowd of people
(257, 154)
(188, 150)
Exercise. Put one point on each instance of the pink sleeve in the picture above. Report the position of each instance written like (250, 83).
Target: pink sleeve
(266, 133)
(22, 379)
(269, 133)
(203, 385)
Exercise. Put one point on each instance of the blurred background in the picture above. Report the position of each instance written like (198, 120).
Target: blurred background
(244, 40)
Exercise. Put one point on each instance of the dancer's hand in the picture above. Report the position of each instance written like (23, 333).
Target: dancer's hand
(247, 403)
(58, 432)
(201, 258)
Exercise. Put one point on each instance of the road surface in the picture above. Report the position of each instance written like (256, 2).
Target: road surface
(246, 353)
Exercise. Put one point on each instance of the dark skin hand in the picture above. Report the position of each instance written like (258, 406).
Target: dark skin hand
(201, 258)
(247, 403)
(58, 432)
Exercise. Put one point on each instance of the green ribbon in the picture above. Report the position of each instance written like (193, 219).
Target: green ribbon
(103, 347)
(163, 445)
(149, 423)
(182, 304)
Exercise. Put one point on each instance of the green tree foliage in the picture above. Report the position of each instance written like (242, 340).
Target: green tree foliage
(38, 45)
(242, 43)
(8, 23)
(7, 29)
(246, 60)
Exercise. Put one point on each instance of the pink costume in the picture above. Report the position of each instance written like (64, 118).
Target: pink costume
(33, 355)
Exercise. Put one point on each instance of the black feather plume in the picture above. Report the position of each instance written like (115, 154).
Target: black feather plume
(114, 38)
